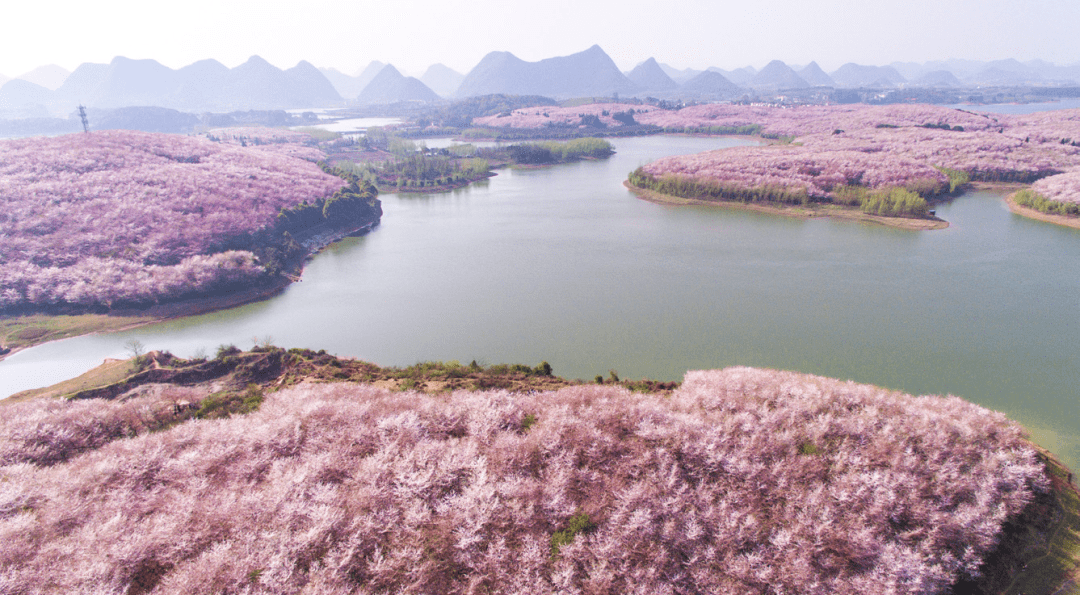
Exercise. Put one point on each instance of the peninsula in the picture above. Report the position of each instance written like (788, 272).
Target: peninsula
(318, 470)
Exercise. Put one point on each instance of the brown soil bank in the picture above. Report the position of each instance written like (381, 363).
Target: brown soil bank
(18, 332)
(1064, 220)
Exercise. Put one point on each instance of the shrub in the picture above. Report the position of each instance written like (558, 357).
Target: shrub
(957, 178)
(896, 202)
(528, 421)
(224, 351)
(578, 524)
(1031, 199)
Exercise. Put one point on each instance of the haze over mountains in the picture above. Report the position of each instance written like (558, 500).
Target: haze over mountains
(209, 86)
(590, 73)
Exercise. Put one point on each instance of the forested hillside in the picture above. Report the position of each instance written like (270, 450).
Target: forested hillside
(93, 220)
(740, 481)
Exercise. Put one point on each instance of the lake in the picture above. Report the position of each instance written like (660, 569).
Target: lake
(1019, 109)
(353, 125)
(564, 264)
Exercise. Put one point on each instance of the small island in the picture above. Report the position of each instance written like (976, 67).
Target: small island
(886, 163)
(397, 164)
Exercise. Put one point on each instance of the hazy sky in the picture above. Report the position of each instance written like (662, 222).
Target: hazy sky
(413, 34)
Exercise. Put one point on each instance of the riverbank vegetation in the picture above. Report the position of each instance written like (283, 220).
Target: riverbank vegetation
(20, 332)
(797, 176)
(1056, 195)
(420, 172)
(120, 218)
(738, 479)
(869, 152)
(406, 166)
(1031, 199)
(964, 146)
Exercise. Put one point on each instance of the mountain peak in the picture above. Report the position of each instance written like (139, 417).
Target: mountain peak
(712, 85)
(442, 79)
(389, 72)
(589, 73)
(813, 74)
(256, 60)
(49, 76)
(390, 86)
(777, 75)
(651, 77)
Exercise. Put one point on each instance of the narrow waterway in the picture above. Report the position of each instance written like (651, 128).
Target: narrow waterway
(563, 264)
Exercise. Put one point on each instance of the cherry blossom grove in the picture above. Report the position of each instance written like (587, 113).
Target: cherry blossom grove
(899, 143)
(876, 158)
(131, 216)
(742, 481)
(816, 171)
(1061, 188)
(812, 119)
(549, 115)
(275, 140)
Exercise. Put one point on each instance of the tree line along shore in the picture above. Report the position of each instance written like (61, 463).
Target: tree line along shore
(891, 161)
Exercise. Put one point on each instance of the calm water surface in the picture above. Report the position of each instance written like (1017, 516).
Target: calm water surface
(1020, 108)
(565, 265)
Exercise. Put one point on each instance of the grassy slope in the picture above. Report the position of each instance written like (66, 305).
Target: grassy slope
(110, 372)
(23, 331)
(20, 332)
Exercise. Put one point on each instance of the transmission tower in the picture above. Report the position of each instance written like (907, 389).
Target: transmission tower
(85, 122)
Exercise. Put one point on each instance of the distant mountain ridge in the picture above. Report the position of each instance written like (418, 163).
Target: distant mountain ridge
(739, 76)
(710, 85)
(209, 86)
(813, 74)
(584, 74)
(857, 75)
(442, 79)
(390, 86)
(23, 99)
(203, 86)
(650, 77)
(777, 75)
(679, 76)
(49, 76)
(349, 87)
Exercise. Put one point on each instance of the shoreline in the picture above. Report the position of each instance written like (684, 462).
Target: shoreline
(1030, 213)
(92, 324)
(157, 313)
(797, 212)
(437, 189)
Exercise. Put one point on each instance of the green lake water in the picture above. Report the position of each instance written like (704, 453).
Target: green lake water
(564, 264)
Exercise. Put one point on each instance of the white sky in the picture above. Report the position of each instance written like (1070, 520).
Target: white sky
(413, 34)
